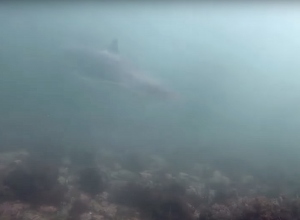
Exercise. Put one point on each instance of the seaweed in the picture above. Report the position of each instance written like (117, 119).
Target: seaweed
(35, 182)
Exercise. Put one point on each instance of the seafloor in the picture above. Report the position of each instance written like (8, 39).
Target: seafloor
(116, 184)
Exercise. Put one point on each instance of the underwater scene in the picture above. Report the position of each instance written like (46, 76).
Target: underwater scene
(149, 111)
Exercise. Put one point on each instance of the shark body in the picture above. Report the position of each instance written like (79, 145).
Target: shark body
(108, 66)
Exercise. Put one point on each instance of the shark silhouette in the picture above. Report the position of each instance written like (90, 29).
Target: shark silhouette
(108, 66)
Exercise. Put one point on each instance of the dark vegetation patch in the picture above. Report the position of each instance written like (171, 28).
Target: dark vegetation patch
(154, 203)
(34, 182)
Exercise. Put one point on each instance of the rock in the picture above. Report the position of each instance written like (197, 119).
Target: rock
(219, 178)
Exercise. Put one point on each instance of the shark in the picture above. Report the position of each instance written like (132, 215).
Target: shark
(109, 66)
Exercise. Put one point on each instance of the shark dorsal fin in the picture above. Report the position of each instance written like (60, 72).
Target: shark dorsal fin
(113, 47)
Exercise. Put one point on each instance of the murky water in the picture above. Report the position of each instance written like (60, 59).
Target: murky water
(233, 67)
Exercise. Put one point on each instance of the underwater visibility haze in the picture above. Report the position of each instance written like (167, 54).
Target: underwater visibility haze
(187, 88)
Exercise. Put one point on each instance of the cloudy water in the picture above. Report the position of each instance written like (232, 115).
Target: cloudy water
(137, 89)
